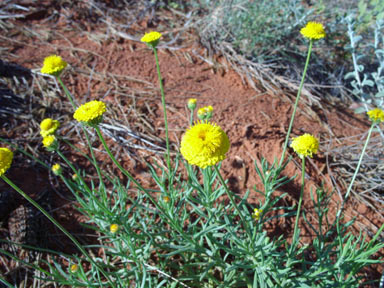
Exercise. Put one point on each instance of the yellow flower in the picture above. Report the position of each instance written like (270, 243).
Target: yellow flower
(192, 103)
(313, 31)
(56, 169)
(256, 213)
(151, 38)
(114, 228)
(48, 126)
(204, 144)
(305, 145)
(166, 199)
(6, 157)
(75, 177)
(53, 65)
(50, 142)
(205, 113)
(90, 112)
(74, 268)
(376, 115)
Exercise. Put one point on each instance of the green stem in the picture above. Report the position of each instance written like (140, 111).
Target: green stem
(125, 172)
(230, 196)
(66, 92)
(295, 231)
(191, 118)
(93, 156)
(25, 153)
(296, 103)
(74, 170)
(58, 225)
(356, 171)
(141, 188)
(164, 109)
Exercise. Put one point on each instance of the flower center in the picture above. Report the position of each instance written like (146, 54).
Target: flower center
(202, 135)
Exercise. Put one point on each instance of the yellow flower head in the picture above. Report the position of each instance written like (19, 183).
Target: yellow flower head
(305, 145)
(256, 213)
(6, 157)
(74, 268)
(166, 199)
(192, 103)
(205, 113)
(151, 38)
(376, 115)
(114, 228)
(49, 142)
(313, 31)
(204, 144)
(56, 169)
(53, 65)
(48, 127)
(90, 112)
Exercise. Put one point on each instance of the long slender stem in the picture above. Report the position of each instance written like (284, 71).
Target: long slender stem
(74, 170)
(58, 225)
(295, 231)
(356, 171)
(93, 156)
(66, 92)
(296, 103)
(164, 110)
(230, 196)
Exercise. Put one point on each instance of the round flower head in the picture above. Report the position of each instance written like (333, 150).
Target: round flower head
(376, 115)
(114, 228)
(6, 157)
(50, 143)
(53, 65)
(56, 169)
(256, 213)
(313, 31)
(305, 145)
(90, 112)
(204, 144)
(205, 113)
(151, 38)
(192, 104)
(48, 127)
(74, 268)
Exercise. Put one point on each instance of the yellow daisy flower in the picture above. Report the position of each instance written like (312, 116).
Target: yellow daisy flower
(56, 169)
(192, 103)
(313, 31)
(53, 65)
(256, 213)
(6, 157)
(48, 127)
(305, 145)
(151, 38)
(74, 268)
(90, 112)
(204, 144)
(114, 228)
(376, 115)
(49, 142)
(205, 113)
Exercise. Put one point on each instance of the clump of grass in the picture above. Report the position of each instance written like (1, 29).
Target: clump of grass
(179, 233)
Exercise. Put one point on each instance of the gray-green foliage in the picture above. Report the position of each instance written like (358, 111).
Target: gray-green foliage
(368, 84)
(257, 29)
(197, 240)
